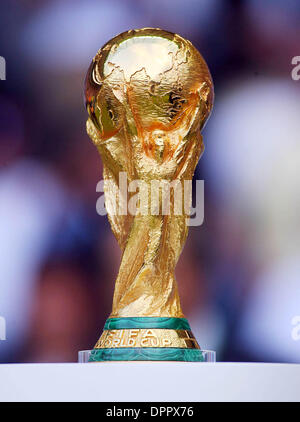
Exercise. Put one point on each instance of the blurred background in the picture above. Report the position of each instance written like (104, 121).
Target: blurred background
(239, 274)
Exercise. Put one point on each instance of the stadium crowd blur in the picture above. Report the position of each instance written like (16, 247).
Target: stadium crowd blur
(239, 273)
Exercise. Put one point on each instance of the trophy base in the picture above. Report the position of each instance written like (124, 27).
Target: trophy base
(146, 354)
(147, 339)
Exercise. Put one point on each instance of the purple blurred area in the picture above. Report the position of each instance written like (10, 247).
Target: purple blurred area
(239, 274)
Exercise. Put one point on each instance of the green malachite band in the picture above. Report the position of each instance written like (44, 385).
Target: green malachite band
(147, 322)
(147, 354)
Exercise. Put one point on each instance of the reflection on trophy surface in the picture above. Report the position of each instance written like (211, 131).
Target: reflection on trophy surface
(148, 94)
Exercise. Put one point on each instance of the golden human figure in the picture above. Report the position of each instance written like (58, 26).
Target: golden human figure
(148, 94)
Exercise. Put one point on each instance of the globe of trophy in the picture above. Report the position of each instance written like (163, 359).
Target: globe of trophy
(148, 94)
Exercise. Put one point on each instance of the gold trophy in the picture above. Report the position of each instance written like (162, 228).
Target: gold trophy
(148, 94)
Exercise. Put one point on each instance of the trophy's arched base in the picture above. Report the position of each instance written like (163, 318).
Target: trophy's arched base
(147, 339)
(146, 354)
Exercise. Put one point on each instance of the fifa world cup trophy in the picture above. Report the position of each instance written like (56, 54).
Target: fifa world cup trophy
(148, 95)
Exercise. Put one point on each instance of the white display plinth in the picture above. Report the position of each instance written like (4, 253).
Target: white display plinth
(150, 381)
